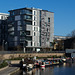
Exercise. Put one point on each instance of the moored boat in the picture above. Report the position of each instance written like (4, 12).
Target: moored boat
(42, 64)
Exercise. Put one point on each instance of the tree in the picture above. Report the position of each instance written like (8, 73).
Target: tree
(72, 34)
(70, 42)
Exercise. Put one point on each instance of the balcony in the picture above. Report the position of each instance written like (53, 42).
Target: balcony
(28, 17)
(28, 27)
(24, 11)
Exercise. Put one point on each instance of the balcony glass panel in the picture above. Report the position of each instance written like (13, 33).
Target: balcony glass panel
(27, 32)
(11, 29)
(27, 22)
(28, 17)
(28, 12)
(22, 11)
(11, 33)
(19, 28)
(29, 38)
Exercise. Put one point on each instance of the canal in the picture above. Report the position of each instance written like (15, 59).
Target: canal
(65, 69)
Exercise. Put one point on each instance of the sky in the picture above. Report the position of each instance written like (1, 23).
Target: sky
(64, 12)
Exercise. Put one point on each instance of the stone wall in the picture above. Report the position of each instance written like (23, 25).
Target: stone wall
(9, 56)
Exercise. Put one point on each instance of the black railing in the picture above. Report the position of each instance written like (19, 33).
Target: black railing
(16, 52)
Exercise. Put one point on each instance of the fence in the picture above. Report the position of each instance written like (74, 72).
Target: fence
(15, 52)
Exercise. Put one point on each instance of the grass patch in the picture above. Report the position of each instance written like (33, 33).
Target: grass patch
(3, 64)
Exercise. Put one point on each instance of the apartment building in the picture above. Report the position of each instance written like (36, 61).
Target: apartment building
(3, 28)
(30, 27)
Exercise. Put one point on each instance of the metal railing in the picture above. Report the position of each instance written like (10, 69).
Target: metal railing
(16, 52)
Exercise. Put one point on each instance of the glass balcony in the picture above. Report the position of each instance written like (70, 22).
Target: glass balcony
(24, 11)
(28, 17)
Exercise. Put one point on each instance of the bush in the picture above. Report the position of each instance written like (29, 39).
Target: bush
(3, 64)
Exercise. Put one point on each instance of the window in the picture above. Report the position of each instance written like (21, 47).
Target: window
(12, 13)
(22, 11)
(48, 19)
(31, 43)
(47, 39)
(34, 17)
(34, 12)
(47, 29)
(11, 29)
(34, 33)
(34, 43)
(17, 17)
(29, 38)
(34, 28)
(27, 22)
(22, 33)
(19, 22)
(27, 32)
(19, 28)
(11, 33)
(34, 23)
(2, 17)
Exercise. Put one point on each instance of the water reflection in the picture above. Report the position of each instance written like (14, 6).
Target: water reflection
(65, 69)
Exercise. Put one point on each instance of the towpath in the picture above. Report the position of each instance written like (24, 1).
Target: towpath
(9, 70)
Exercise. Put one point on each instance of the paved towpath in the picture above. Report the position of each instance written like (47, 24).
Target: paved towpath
(9, 70)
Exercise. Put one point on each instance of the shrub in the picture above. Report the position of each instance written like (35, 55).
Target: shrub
(3, 64)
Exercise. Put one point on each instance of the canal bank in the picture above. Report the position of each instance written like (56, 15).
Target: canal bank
(16, 55)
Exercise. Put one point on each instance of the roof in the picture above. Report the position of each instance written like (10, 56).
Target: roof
(4, 14)
(30, 9)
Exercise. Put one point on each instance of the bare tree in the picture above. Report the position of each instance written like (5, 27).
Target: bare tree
(72, 34)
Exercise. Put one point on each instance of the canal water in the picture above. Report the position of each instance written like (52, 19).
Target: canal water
(65, 69)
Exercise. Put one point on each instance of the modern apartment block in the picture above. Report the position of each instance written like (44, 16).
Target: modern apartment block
(33, 28)
(3, 28)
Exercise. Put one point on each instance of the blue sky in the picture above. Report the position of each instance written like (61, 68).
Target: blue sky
(64, 12)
